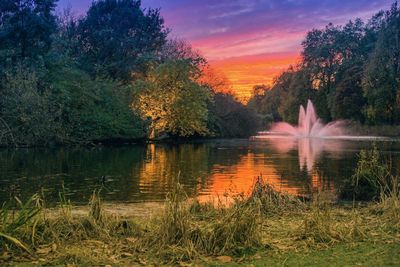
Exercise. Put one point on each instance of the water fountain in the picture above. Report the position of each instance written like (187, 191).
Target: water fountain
(311, 137)
(309, 125)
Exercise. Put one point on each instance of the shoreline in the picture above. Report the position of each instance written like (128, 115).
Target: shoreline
(354, 131)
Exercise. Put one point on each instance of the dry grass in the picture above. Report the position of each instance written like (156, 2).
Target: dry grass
(186, 231)
(326, 226)
(272, 202)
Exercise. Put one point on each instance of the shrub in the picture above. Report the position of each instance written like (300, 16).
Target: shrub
(372, 178)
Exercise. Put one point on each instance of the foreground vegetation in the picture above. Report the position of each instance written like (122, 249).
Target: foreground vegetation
(264, 227)
(274, 229)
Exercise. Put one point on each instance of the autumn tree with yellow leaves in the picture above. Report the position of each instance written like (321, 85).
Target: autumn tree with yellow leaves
(172, 101)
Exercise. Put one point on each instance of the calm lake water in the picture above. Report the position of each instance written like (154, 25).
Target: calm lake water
(210, 168)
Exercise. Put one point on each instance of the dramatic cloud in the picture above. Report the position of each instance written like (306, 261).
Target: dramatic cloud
(261, 37)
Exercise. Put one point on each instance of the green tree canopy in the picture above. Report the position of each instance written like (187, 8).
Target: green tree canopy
(117, 37)
(381, 81)
(350, 72)
(26, 27)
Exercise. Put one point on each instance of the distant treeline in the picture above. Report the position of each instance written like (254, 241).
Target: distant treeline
(112, 74)
(350, 72)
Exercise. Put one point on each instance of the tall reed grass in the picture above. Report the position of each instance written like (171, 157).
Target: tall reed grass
(271, 201)
(186, 230)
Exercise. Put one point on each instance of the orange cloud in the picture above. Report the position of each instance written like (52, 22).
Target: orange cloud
(246, 71)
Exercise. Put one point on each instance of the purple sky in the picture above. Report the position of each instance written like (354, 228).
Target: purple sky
(265, 34)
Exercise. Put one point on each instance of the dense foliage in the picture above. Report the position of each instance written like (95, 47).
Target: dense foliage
(114, 74)
(111, 75)
(172, 100)
(350, 72)
(117, 37)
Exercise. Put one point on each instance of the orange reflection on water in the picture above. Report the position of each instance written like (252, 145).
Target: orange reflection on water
(239, 178)
(211, 173)
(164, 166)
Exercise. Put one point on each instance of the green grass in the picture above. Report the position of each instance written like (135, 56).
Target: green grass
(357, 254)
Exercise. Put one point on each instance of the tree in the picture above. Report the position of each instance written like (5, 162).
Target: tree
(348, 100)
(230, 118)
(172, 100)
(215, 80)
(175, 49)
(260, 90)
(91, 109)
(325, 52)
(26, 27)
(321, 55)
(381, 81)
(299, 90)
(264, 103)
(30, 116)
(227, 116)
(117, 37)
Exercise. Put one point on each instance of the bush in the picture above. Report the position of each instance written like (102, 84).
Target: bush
(67, 106)
(372, 178)
(230, 118)
(93, 109)
(28, 115)
(271, 201)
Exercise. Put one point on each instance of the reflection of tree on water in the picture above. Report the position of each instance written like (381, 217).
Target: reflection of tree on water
(140, 173)
(291, 177)
(192, 163)
(80, 170)
(331, 173)
(164, 165)
(318, 172)
(133, 173)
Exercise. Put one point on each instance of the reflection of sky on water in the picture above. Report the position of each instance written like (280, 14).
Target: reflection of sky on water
(148, 172)
(279, 173)
(285, 163)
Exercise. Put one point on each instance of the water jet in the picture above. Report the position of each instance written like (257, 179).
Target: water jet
(309, 125)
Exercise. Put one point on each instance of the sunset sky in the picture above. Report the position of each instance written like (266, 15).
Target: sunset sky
(250, 41)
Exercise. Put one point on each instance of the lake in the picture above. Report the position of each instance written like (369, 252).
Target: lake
(206, 169)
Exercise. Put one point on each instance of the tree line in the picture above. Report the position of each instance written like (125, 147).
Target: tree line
(350, 72)
(112, 74)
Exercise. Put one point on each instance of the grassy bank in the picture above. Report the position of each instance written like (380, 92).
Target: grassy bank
(265, 228)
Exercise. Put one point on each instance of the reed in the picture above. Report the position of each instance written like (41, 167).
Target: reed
(374, 178)
(190, 231)
(186, 230)
(272, 202)
(11, 222)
